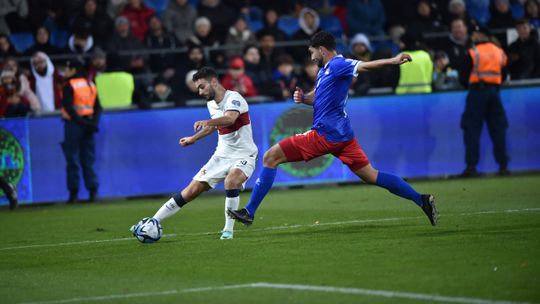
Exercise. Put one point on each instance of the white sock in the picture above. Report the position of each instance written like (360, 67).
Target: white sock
(167, 210)
(230, 203)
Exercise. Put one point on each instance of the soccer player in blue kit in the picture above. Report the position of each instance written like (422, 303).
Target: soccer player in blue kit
(331, 132)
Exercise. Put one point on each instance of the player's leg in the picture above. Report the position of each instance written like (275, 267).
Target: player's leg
(233, 185)
(178, 200)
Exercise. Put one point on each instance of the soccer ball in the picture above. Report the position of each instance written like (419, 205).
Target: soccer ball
(148, 230)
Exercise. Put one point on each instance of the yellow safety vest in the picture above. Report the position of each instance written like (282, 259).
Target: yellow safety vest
(115, 89)
(416, 76)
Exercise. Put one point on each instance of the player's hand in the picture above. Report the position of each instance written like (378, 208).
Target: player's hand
(201, 124)
(186, 141)
(298, 95)
(402, 58)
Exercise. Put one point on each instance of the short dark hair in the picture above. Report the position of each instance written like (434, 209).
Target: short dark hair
(207, 73)
(325, 39)
(522, 21)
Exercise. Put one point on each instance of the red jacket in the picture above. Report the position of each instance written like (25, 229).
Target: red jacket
(243, 85)
(138, 20)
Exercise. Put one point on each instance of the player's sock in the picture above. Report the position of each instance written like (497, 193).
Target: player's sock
(262, 186)
(398, 186)
(170, 208)
(232, 201)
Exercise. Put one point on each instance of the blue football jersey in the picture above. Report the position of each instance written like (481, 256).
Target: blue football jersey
(331, 92)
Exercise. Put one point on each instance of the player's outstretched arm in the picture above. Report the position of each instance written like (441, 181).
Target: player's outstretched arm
(303, 98)
(226, 120)
(190, 140)
(377, 64)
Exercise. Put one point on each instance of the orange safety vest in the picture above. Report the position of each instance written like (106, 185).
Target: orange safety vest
(488, 61)
(84, 97)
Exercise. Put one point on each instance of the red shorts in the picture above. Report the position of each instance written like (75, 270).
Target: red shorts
(311, 145)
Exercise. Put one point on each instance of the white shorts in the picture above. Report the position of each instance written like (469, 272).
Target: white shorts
(216, 169)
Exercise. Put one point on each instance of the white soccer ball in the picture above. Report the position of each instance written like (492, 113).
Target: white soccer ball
(148, 230)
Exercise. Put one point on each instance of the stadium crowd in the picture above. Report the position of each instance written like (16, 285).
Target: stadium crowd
(143, 52)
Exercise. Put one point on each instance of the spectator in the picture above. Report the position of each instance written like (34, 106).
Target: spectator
(196, 58)
(269, 53)
(122, 40)
(19, 8)
(94, 19)
(138, 14)
(259, 74)
(188, 89)
(12, 103)
(81, 42)
(417, 77)
(98, 64)
(366, 16)
(24, 84)
(46, 82)
(285, 77)
(271, 25)
(309, 22)
(115, 7)
(158, 38)
(425, 20)
(385, 77)
(458, 10)
(6, 48)
(179, 18)
(42, 43)
(239, 37)
(532, 12)
(444, 77)
(457, 44)
(237, 80)
(524, 53)
(501, 15)
(220, 16)
(203, 35)
(163, 92)
(360, 47)
(308, 78)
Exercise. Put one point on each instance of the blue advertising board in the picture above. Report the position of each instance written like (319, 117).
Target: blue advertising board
(138, 151)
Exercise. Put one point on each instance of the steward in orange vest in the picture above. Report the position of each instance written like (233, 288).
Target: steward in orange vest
(483, 72)
(80, 111)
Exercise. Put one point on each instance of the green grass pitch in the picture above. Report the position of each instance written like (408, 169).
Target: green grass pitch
(349, 244)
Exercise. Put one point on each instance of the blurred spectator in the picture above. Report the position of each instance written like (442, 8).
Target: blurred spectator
(444, 77)
(309, 22)
(308, 78)
(524, 53)
(196, 58)
(42, 43)
(269, 53)
(284, 76)
(115, 7)
(98, 64)
(179, 18)
(236, 79)
(366, 16)
(221, 16)
(188, 89)
(24, 84)
(417, 76)
(122, 40)
(96, 20)
(426, 20)
(203, 34)
(138, 14)
(239, 36)
(158, 38)
(458, 10)
(271, 25)
(11, 8)
(259, 73)
(46, 82)
(360, 47)
(501, 15)
(532, 12)
(162, 91)
(81, 42)
(6, 48)
(385, 77)
(457, 44)
(12, 103)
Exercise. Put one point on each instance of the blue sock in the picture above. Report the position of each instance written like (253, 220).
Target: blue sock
(262, 186)
(399, 187)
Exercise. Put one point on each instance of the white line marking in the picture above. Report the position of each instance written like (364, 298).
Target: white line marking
(273, 228)
(297, 287)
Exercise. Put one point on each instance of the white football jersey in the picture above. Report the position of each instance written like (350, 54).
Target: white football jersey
(235, 141)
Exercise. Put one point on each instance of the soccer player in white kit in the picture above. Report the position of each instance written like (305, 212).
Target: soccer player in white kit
(233, 161)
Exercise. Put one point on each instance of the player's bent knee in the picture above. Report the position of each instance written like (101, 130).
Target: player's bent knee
(273, 157)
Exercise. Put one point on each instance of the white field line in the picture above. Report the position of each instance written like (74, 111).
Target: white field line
(296, 287)
(274, 228)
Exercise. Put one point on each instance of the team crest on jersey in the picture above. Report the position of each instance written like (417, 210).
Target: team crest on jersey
(236, 103)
